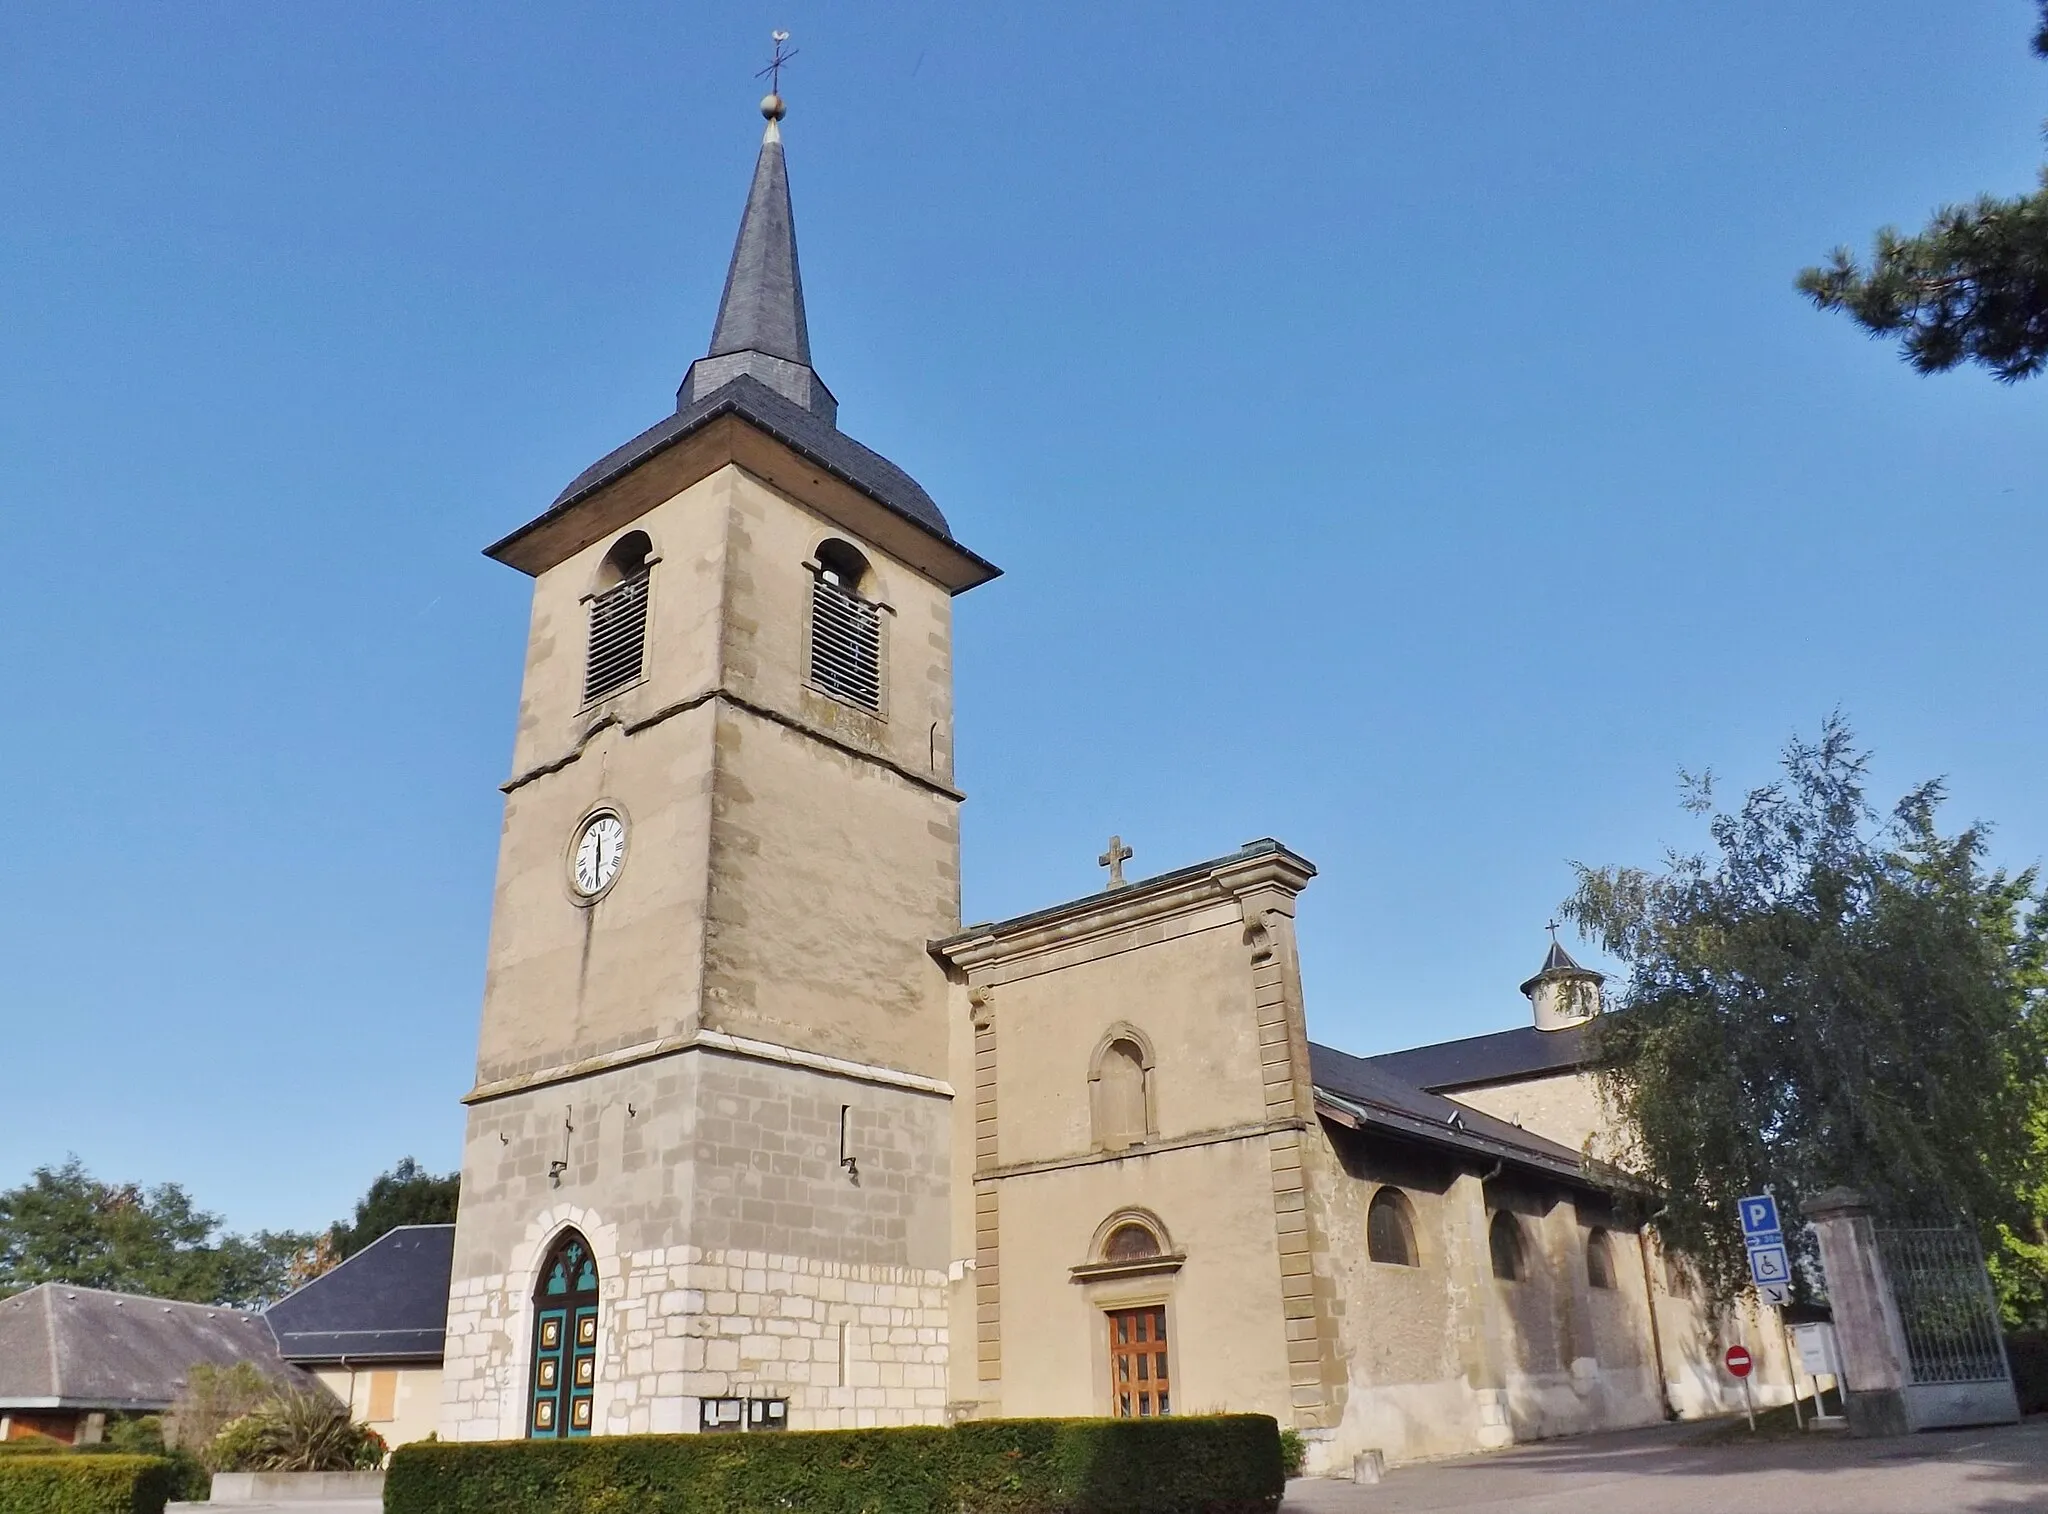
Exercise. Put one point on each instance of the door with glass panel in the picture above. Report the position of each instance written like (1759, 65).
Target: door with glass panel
(1140, 1386)
(564, 1367)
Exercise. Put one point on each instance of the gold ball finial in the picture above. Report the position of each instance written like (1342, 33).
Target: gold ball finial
(773, 108)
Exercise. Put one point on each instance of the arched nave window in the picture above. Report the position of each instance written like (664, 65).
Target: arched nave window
(1504, 1240)
(1390, 1229)
(1599, 1259)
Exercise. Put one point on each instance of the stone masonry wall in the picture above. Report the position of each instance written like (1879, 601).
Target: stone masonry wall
(697, 1180)
(849, 1346)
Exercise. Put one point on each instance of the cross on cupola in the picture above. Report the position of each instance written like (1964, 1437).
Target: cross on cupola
(1114, 859)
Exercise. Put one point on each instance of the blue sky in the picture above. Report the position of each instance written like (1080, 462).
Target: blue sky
(1396, 421)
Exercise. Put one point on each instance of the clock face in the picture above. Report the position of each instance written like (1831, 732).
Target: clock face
(599, 851)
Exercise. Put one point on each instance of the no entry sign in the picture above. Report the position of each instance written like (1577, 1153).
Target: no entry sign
(1738, 1361)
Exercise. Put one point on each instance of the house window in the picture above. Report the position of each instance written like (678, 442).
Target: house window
(383, 1405)
(846, 628)
(1138, 1377)
(1599, 1259)
(618, 617)
(1390, 1229)
(564, 1342)
(1504, 1240)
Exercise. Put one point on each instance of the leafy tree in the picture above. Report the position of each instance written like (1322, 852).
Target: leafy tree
(1971, 287)
(1828, 996)
(406, 1195)
(64, 1225)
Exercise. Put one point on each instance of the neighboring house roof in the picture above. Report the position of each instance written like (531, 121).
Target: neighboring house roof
(388, 1302)
(80, 1348)
(1506, 1056)
(1361, 1093)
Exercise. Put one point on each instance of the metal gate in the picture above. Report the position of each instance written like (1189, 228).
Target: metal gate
(1955, 1352)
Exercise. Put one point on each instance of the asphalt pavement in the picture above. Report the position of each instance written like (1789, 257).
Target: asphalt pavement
(1942, 1472)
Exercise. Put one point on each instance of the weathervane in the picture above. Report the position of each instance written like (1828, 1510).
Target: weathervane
(772, 106)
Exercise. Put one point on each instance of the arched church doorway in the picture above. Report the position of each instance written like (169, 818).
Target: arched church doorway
(564, 1341)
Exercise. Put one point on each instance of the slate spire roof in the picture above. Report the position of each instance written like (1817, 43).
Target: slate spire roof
(763, 305)
(759, 370)
(761, 328)
(1558, 960)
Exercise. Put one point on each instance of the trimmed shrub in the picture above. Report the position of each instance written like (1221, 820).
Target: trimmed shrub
(1206, 1464)
(31, 1445)
(822, 1472)
(84, 1485)
(1219, 1464)
(191, 1482)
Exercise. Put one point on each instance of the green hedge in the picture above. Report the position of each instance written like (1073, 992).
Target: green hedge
(1216, 1464)
(32, 1445)
(84, 1485)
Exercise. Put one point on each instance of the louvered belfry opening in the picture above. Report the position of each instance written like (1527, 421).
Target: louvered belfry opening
(846, 629)
(618, 618)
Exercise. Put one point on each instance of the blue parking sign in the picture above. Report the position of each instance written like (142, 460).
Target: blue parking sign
(1759, 1214)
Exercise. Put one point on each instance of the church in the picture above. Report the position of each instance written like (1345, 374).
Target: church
(762, 1137)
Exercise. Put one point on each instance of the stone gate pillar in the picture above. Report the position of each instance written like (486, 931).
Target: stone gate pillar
(1868, 1332)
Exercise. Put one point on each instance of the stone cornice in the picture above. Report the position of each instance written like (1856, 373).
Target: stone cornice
(1149, 1148)
(707, 1040)
(737, 702)
(1263, 865)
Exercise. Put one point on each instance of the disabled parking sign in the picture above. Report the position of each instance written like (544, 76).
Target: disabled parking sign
(1770, 1265)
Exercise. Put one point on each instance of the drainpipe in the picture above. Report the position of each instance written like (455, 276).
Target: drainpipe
(1656, 1336)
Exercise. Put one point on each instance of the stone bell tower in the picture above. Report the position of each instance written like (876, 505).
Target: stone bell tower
(707, 1139)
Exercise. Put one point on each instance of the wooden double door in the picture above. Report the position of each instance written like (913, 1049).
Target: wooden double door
(1140, 1377)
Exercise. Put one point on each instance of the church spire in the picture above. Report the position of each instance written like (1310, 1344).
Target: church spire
(761, 330)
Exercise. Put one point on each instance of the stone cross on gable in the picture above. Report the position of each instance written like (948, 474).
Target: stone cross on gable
(1114, 859)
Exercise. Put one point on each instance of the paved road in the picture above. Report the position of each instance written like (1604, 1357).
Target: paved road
(1946, 1472)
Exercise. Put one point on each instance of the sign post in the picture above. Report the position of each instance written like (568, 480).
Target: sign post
(1792, 1371)
(1739, 1363)
(1770, 1268)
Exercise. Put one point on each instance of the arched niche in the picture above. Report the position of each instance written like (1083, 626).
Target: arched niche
(1122, 1099)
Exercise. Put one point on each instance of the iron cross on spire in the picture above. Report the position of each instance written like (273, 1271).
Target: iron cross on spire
(1114, 859)
(1552, 928)
(773, 72)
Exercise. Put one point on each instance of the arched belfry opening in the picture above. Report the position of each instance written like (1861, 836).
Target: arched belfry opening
(564, 1341)
(846, 627)
(618, 617)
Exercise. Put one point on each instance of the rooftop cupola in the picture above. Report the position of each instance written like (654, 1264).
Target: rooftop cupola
(1563, 993)
(761, 329)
